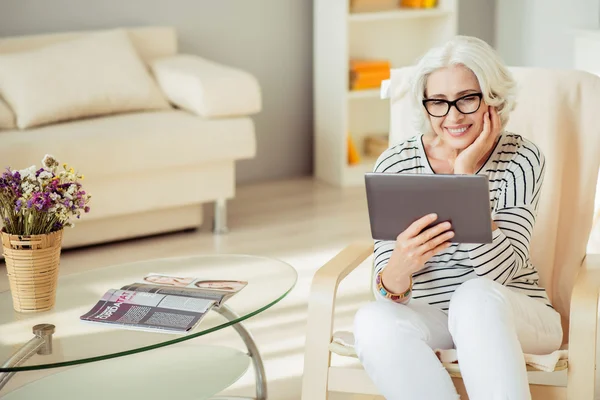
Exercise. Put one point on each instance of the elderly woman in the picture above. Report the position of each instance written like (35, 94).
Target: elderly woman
(482, 299)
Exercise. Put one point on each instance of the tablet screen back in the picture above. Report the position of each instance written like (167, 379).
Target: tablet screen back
(395, 201)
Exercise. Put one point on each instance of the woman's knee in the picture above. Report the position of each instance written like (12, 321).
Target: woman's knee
(475, 300)
(381, 320)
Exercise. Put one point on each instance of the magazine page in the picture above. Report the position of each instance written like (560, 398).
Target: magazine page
(216, 290)
(150, 311)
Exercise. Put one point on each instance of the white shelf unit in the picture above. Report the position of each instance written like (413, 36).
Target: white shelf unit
(400, 36)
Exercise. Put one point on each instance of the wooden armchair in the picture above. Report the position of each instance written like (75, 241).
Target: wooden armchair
(558, 110)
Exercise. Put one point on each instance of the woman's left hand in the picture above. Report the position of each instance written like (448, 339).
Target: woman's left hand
(467, 162)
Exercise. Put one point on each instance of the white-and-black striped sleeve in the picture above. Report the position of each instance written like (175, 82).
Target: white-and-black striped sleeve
(514, 216)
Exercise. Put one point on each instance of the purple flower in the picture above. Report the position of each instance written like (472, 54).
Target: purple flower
(40, 201)
(86, 209)
(18, 205)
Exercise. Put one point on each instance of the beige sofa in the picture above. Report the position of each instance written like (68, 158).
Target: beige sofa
(148, 169)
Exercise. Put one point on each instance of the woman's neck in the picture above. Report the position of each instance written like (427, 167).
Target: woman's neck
(440, 156)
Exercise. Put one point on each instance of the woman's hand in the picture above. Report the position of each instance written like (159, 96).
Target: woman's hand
(414, 247)
(468, 160)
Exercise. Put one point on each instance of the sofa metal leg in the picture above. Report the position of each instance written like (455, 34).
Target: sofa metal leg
(220, 217)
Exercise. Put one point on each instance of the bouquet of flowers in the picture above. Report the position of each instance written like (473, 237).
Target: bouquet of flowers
(40, 201)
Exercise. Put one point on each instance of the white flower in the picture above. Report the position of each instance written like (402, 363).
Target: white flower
(44, 175)
(27, 173)
(49, 161)
(72, 189)
(28, 188)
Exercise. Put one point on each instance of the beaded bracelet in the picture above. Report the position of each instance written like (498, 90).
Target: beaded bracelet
(401, 297)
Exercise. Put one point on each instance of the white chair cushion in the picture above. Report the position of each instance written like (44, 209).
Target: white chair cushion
(96, 74)
(207, 88)
(342, 344)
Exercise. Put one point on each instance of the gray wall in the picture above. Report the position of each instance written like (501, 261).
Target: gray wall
(476, 18)
(272, 39)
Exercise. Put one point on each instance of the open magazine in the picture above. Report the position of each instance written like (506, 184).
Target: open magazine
(162, 303)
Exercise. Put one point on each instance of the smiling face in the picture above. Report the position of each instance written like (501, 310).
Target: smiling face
(457, 130)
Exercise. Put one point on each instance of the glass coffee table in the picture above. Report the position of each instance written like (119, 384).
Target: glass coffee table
(58, 338)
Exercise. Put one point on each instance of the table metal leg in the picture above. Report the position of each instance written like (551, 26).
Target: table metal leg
(40, 344)
(259, 369)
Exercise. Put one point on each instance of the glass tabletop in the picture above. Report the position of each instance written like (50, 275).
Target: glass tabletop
(156, 374)
(76, 342)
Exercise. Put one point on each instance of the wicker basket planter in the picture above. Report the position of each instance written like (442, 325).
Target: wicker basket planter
(32, 263)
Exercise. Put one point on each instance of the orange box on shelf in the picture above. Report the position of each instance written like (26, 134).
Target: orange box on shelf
(357, 65)
(358, 6)
(368, 74)
(365, 85)
(418, 3)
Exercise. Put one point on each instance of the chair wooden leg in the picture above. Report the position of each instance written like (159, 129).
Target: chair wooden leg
(314, 381)
(321, 306)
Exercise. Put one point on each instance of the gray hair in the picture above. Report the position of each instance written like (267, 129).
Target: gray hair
(495, 80)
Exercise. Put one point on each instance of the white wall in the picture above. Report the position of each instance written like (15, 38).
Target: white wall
(539, 32)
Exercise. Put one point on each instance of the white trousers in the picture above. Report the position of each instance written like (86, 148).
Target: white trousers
(490, 325)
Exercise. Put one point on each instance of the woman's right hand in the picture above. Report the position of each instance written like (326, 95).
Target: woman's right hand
(414, 247)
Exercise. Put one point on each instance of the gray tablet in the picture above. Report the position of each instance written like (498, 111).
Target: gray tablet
(395, 201)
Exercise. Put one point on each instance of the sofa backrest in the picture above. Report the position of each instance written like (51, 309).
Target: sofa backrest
(151, 42)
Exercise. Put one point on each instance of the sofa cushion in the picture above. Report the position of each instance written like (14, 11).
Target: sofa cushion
(207, 88)
(97, 74)
(130, 143)
(7, 117)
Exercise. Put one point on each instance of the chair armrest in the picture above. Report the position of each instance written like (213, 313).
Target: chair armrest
(323, 291)
(207, 88)
(321, 305)
(583, 329)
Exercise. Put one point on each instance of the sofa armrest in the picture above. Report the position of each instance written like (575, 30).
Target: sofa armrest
(207, 88)
(583, 330)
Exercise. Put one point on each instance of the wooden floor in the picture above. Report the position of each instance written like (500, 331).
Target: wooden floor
(302, 222)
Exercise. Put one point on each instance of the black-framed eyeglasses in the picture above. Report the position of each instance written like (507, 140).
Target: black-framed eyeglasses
(467, 104)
